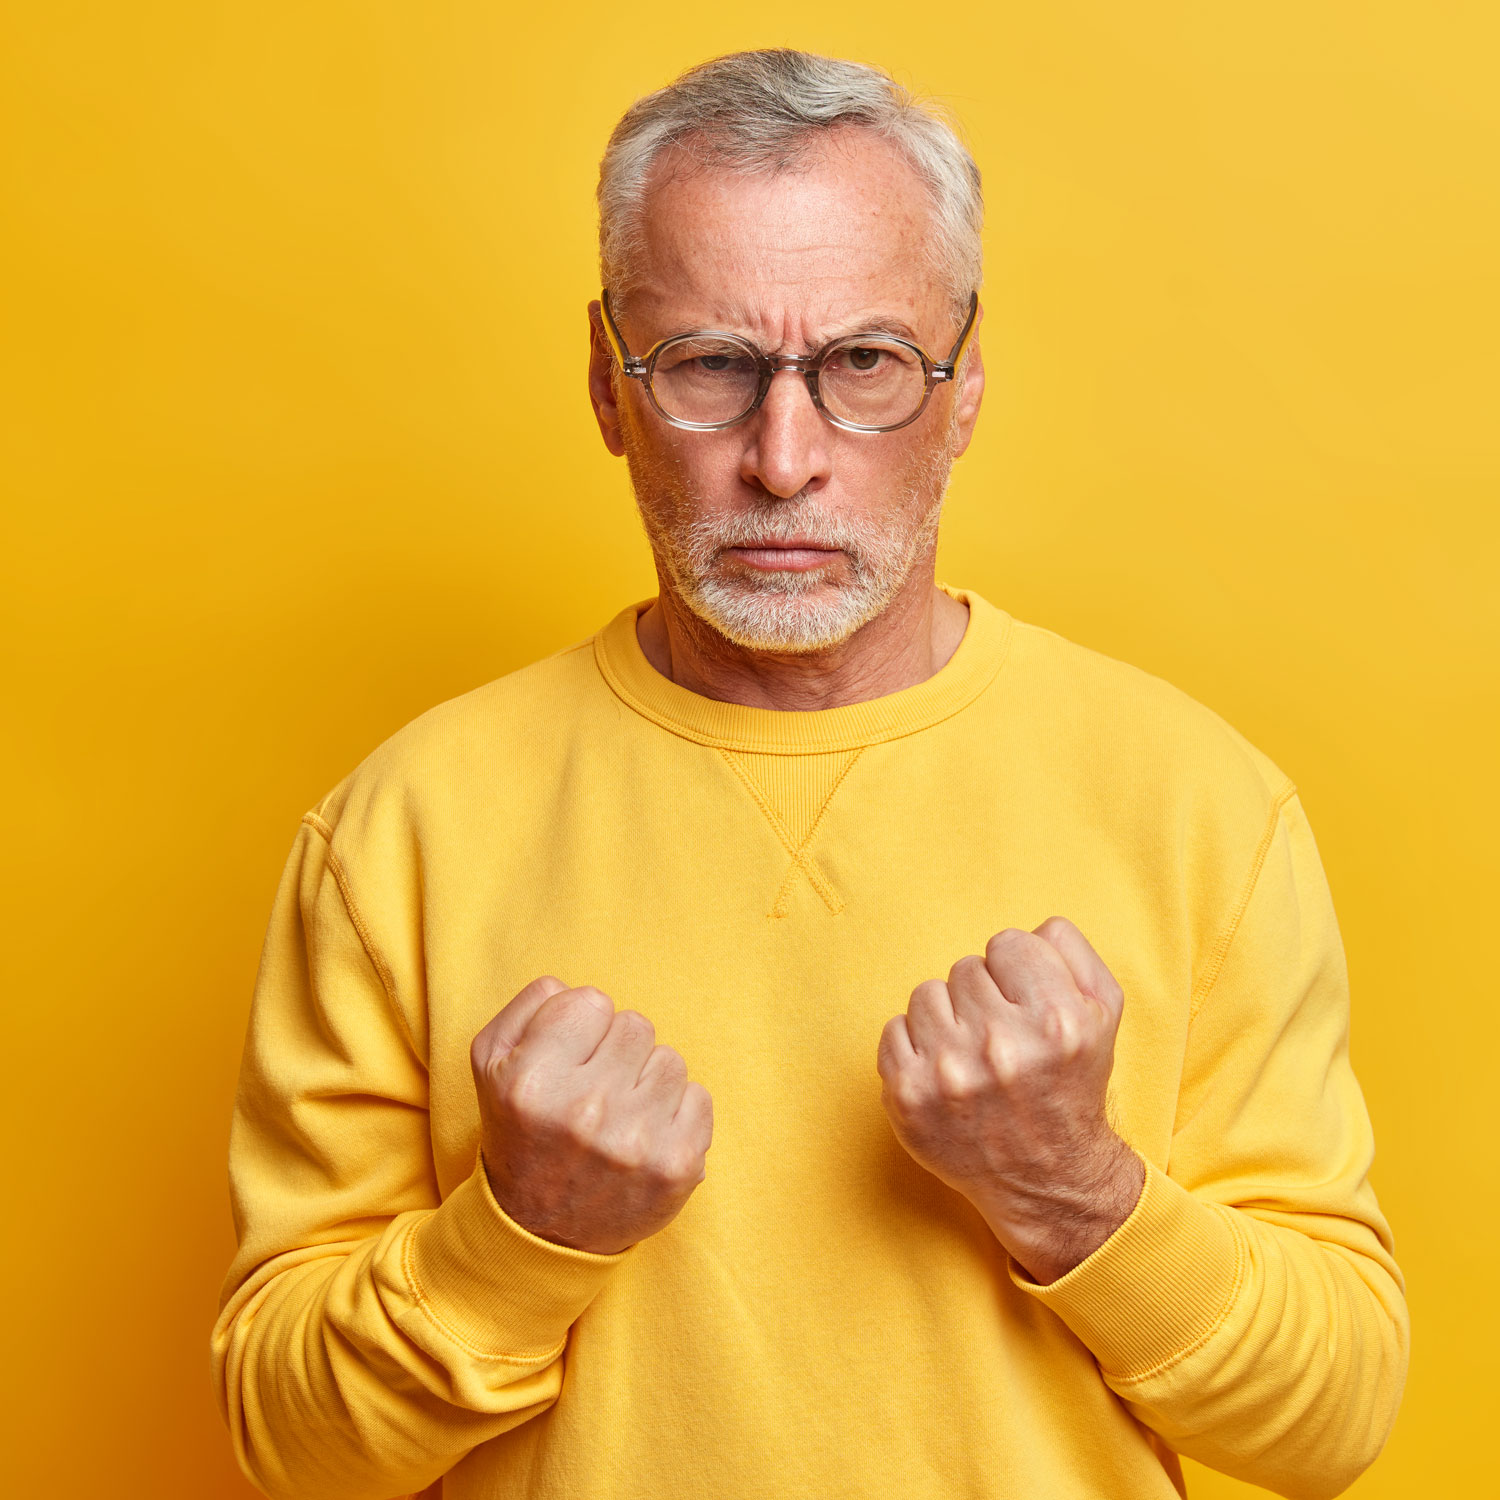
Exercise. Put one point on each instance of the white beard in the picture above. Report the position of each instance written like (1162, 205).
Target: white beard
(789, 611)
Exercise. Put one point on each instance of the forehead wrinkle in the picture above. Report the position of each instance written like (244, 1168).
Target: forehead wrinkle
(841, 305)
(872, 211)
(832, 261)
(738, 319)
(744, 324)
(809, 256)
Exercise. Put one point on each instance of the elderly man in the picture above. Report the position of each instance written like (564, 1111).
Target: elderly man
(1002, 976)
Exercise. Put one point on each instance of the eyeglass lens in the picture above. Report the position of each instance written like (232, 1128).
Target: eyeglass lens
(709, 380)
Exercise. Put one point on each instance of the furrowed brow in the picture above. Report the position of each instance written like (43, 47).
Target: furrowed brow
(875, 327)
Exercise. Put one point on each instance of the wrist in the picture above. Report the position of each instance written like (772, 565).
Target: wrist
(1050, 1227)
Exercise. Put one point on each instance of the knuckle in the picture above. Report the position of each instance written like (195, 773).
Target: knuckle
(522, 1089)
(584, 1117)
(630, 1147)
(587, 995)
(670, 1062)
(908, 1093)
(703, 1106)
(1010, 944)
(888, 1050)
(929, 994)
(502, 1082)
(1066, 1032)
(682, 1164)
(553, 1013)
(955, 1077)
(1001, 1055)
(545, 985)
(634, 1025)
(970, 966)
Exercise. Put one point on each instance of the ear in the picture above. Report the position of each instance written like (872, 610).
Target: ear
(601, 383)
(970, 392)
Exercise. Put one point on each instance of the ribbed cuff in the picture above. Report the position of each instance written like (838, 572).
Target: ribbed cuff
(1157, 1288)
(493, 1286)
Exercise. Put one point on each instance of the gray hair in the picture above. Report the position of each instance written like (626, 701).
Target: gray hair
(762, 112)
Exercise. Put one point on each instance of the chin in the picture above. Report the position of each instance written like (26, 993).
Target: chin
(790, 621)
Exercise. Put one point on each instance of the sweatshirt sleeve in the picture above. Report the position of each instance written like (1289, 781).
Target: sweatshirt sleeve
(1250, 1310)
(369, 1333)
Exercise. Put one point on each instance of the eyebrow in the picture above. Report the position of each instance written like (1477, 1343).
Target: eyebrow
(895, 327)
(880, 325)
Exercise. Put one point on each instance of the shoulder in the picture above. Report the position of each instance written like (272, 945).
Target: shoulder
(494, 736)
(1146, 713)
(1139, 756)
(1169, 790)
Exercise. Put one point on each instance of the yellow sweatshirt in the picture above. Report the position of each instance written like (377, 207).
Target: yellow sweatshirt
(824, 1319)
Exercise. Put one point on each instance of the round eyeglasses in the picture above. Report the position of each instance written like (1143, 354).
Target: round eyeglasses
(863, 382)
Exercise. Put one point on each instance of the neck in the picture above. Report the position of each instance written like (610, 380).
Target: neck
(904, 645)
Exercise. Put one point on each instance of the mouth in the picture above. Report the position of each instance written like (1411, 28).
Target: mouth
(796, 556)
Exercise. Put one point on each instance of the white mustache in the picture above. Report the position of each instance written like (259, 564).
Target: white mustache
(816, 528)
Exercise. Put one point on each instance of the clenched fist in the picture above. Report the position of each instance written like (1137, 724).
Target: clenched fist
(591, 1135)
(995, 1082)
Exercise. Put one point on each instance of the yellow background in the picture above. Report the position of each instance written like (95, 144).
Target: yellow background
(295, 444)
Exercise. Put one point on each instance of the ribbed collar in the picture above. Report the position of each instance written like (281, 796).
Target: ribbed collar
(738, 726)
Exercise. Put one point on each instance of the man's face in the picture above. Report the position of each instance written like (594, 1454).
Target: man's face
(785, 533)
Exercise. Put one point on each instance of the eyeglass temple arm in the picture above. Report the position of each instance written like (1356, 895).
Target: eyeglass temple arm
(630, 364)
(947, 369)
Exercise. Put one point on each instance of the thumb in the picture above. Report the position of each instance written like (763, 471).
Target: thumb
(501, 1033)
(1089, 971)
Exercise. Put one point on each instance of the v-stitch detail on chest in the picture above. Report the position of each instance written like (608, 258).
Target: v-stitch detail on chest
(795, 812)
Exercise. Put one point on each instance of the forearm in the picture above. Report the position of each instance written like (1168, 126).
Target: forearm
(1260, 1350)
(368, 1336)
(358, 1372)
(1299, 1387)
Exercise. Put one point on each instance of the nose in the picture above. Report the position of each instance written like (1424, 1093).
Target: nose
(789, 448)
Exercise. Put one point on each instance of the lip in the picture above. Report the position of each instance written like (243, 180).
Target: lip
(796, 556)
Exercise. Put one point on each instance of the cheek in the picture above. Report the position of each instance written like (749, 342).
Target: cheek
(709, 463)
(698, 471)
(893, 477)
(932, 461)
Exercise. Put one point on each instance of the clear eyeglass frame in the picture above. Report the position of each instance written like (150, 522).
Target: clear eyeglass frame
(640, 367)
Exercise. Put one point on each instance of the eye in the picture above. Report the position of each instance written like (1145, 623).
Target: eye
(713, 363)
(862, 358)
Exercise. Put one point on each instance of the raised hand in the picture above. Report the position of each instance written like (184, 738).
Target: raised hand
(995, 1081)
(591, 1135)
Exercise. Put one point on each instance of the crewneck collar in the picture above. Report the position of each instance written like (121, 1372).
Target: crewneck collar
(739, 726)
